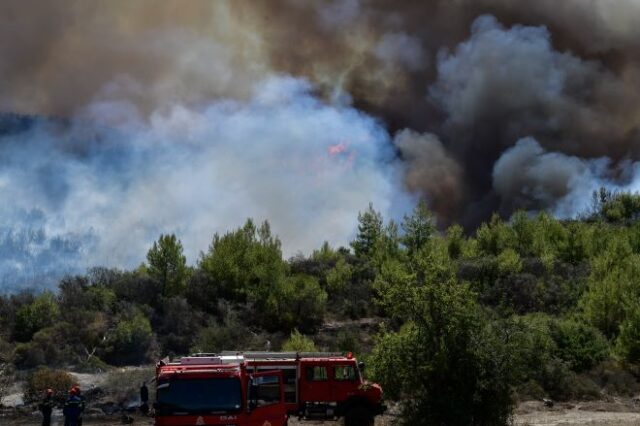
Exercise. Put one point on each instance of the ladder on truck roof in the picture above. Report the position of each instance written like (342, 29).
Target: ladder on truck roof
(210, 359)
(281, 355)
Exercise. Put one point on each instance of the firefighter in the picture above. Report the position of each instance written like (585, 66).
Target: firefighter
(82, 403)
(46, 407)
(144, 398)
(72, 408)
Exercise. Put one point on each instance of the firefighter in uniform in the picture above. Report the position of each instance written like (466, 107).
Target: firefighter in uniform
(46, 407)
(82, 403)
(72, 408)
(144, 398)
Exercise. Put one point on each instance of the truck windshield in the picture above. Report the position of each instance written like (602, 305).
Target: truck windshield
(199, 396)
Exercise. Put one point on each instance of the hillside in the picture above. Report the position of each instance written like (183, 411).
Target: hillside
(542, 307)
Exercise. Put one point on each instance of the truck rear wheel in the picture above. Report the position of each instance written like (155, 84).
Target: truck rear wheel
(358, 416)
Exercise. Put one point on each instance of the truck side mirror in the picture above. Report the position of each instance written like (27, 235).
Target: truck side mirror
(361, 366)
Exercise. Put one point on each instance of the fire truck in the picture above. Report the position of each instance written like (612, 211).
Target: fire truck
(314, 385)
(321, 385)
(217, 390)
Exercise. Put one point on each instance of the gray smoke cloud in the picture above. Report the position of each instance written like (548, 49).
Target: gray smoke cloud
(529, 177)
(504, 84)
(430, 170)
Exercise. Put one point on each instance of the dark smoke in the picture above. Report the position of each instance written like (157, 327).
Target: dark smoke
(286, 109)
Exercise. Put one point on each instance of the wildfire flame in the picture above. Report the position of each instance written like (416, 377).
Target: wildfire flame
(336, 149)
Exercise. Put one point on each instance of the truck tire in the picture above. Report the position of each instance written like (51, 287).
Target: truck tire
(358, 416)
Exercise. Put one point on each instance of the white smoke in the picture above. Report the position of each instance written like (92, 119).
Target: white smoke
(306, 166)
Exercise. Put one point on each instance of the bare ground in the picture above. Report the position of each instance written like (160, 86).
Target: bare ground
(533, 413)
(597, 413)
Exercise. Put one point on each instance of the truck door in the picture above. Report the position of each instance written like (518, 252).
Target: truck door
(314, 382)
(346, 381)
(266, 400)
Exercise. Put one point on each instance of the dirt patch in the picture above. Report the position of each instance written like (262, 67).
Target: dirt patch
(594, 413)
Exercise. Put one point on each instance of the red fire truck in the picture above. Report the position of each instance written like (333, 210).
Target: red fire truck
(217, 391)
(321, 385)
(318, 386)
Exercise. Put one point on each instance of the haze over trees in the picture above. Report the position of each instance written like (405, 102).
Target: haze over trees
(528, 307)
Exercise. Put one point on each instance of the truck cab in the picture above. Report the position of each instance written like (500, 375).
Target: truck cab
(216, 391)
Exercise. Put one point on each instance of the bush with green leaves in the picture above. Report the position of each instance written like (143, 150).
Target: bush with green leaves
(612, 284)
(627, 345)
(298, 342)
(579, 344)
(42, 312)
(296, 302)
(130, 340)
(229, 334)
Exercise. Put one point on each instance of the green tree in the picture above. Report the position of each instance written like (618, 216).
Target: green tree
(130, 341)
(627, 345)
(455, 241)
(509, 262)
(579, 344)
(612, 282)
(297, 302)
(42, 313)
(370, 231)
(446, 364)
(244, 265)
(418, 228)
(168, 265)
(495, 237)
(525, 230)
(325, 254)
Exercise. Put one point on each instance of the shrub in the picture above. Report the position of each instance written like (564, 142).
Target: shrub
(130, 342)
(297, 302)
(530, 390)
(628, 342)
(35, 316)
(230, 335)
(509, 262)
(123, 384)
(298, 343)
(45, 378)
(580, 345)
(614, 379)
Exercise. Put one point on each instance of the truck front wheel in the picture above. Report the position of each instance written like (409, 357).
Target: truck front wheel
(358, 416)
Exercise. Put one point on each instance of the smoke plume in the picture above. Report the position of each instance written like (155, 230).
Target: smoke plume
(123, 120)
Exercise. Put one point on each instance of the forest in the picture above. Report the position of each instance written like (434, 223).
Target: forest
(464, 324)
